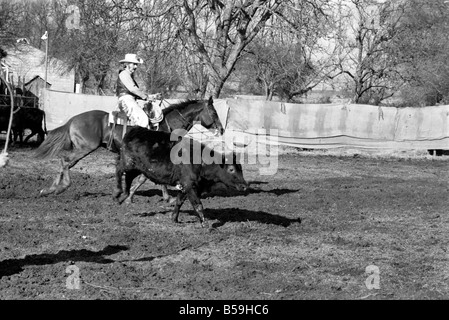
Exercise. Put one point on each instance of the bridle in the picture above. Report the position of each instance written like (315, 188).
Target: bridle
(187, 121)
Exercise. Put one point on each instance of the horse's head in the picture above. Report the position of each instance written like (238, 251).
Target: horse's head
(184, 115)
(209, 118)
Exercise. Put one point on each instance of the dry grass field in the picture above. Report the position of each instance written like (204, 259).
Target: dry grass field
(307, 232)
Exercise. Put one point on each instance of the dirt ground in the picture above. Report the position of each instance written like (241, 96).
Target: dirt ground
(307, 232)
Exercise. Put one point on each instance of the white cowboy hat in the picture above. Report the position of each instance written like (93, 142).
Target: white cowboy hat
(132, 57)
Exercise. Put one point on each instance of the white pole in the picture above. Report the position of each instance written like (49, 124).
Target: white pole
(46, 59)
(43, 96)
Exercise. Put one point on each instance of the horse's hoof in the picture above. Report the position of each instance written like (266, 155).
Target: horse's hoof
(128, 201)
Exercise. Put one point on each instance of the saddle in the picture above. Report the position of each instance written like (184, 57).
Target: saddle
(119, 117)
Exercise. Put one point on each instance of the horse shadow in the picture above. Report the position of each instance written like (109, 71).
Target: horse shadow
(13, 266)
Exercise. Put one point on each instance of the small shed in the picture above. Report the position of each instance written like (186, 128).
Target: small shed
(35, 85)
(29, 62)
(33, 89)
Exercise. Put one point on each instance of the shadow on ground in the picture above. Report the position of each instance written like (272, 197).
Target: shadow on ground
(13, 266)
(233, 215)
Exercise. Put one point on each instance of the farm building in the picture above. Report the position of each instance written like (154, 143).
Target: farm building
(28, 65)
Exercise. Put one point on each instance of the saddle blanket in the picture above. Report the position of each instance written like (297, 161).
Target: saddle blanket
(120, 120)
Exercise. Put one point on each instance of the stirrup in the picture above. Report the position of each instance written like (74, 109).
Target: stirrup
(117, 115)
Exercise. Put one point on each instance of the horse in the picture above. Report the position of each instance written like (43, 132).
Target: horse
(88, 131)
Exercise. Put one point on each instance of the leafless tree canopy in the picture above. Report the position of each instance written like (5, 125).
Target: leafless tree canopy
(370, 49)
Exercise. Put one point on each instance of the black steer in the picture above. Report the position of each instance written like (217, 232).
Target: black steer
(29, 118)
(4, 119)
(158, 158)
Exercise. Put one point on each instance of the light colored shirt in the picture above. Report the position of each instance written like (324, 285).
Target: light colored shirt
(127, 80)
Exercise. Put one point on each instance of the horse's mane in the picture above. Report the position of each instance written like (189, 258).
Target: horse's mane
(180, 105)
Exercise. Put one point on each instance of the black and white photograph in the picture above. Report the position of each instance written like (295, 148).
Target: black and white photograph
(224, 155)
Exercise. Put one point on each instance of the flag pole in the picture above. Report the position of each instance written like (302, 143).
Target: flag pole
(45, 37)
(46, 60)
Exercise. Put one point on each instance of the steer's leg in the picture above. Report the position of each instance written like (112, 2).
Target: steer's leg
(30, 136)
(129, 177)
(167, 198)
(194, 199)
(118, 190)
(136, 186)
(181, 197)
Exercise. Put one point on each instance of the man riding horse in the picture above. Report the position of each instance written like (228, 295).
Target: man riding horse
(132, 98)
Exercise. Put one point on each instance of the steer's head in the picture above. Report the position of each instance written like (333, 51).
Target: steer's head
(233, 177)
(230, 173)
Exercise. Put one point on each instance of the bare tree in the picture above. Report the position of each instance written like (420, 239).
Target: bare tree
(217, 32)
(294, 53)
(372, 27)
(424, 49)
(9, 26)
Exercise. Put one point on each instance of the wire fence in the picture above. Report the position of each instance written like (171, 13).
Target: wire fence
(19, 101)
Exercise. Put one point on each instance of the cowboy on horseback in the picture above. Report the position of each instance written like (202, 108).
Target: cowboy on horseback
(132, 98)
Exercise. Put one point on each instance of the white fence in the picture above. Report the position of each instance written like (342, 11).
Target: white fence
(299, 125)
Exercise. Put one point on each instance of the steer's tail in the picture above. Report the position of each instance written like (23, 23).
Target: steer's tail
(56, 141)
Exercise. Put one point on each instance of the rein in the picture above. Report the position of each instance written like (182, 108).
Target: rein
(185, 121)
(188, 122)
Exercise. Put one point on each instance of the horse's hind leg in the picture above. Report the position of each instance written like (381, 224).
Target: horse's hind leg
(55, 183)
(62, 180)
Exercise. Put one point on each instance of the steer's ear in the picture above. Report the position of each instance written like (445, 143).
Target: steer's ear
(210, 101)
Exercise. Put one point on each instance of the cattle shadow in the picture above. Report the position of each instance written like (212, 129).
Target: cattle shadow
(155, 191)
(257, 182)
(220, 190)
(277, 192)
(14, 266)
(228, 193)
(241, 215)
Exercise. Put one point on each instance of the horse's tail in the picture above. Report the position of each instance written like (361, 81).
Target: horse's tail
(56, 141)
